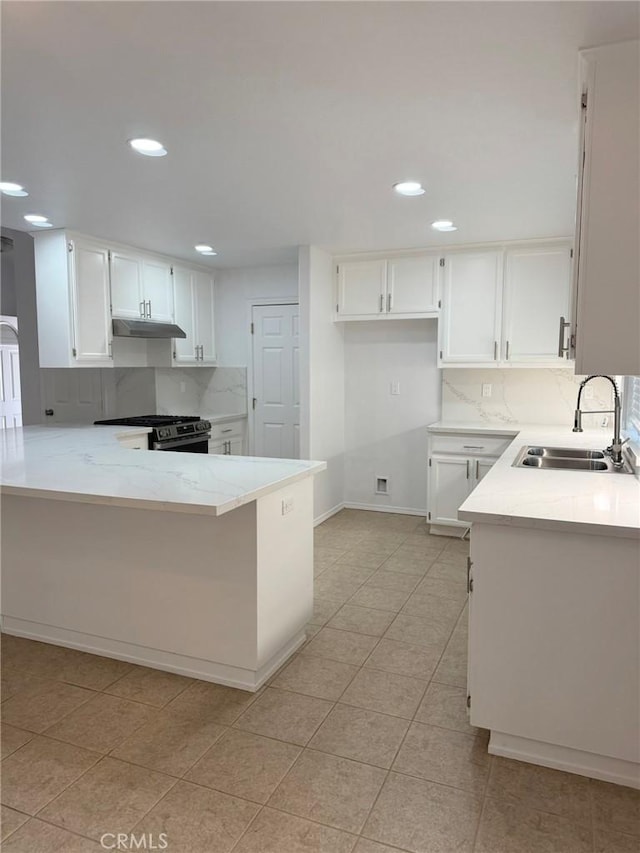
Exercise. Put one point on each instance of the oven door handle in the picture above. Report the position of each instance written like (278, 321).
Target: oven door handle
(180, 442)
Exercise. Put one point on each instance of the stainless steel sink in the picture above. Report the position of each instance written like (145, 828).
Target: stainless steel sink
(568, 459)
(565, 453)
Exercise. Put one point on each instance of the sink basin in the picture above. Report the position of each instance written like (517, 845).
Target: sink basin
(565, 453)
(557, 463)
(568, 459)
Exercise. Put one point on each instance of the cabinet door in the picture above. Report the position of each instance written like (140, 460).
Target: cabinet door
(362, 288)
(158, 289)
(235, 446)
(471, 308)
(480, 468)
(184, 349)
(126, 285)
(537, 285)
(89, 272)
(449, 486)
(218, 447)
(205, 329)
(412, 284)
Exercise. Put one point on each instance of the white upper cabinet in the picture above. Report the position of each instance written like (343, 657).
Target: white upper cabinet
(537, 283)
(194, 313)
(400, 287)
(361, 288)
(205, 329)
(412, 284)
(141, 286)
(472, 312)
(157, 289)
(606, 318)
(127, 300)
(72, 293)
(184, 349)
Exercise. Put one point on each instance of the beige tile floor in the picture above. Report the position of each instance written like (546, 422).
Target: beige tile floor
(360, 744)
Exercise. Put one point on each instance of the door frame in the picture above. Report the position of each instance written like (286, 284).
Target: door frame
(11, 321)
(258, 302)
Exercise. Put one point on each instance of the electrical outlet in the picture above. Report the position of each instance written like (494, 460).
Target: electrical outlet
(287, 505)
(605, 421)
(395, 388)
(486, 389)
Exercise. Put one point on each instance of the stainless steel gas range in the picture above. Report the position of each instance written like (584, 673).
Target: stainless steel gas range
(181, 433)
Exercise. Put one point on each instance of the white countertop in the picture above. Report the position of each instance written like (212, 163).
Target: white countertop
(87, 464)
(580, 501)
(223, 419)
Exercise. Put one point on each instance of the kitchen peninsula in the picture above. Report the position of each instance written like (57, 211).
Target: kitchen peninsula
(199, 565)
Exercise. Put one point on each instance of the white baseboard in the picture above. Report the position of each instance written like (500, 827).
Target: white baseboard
(205, 670)
(603, 767)
(398, 510)
(328, 514)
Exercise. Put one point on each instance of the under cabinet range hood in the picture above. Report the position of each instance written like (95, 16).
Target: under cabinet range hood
(146, 329)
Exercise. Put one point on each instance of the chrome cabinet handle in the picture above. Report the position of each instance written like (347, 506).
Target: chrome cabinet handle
(477, 469)
(381, 302)
(473, 446)
(495, 350)
(142, 309)
(228, 430)
(507, 353)
(467, 469)
(388, 302)
(149, 304)
(562, 349)
(201, 352)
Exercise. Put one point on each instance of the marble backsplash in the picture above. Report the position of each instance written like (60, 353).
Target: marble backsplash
(531, 396)
(201, 390)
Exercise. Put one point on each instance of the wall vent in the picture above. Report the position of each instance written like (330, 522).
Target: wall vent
(382, 485)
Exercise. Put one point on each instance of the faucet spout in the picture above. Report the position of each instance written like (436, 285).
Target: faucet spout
(616, 445)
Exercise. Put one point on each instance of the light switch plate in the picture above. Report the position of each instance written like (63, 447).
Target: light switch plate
(395, 388)
(287, 505)
(486, 389)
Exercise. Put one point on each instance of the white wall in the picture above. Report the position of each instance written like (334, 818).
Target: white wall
(386, 434)
(322, 421)
(234, 291)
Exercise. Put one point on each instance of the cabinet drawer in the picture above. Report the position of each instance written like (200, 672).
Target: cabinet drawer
(470, 445)
(222, 432)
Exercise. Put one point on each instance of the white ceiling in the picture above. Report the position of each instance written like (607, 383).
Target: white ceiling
(287, 123)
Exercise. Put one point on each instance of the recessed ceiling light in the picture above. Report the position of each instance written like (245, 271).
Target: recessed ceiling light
(444, 225)
(36, 218)
(409, 188)
(148, 147)
(204, 249)
(43, 224)
(208, 253)
(9, 188)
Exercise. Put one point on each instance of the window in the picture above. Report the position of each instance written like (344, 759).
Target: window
(631, 403)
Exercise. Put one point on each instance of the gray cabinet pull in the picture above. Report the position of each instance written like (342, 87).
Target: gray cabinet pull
(149, 304)
(388, 302)
(473, 446)
(477, 469)
(142, 309)
(495, 350)
(467, 469)
(562, 349)
(381, 302)
(507, 353)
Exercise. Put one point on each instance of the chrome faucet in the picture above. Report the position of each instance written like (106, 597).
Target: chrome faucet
(615, 449)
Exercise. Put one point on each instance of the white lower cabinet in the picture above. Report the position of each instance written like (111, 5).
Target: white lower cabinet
(457, 463)
(227, 439)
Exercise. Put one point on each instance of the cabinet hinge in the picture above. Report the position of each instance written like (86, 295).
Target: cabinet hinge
(109, 255)
(429, 516)
(253, 403)
(253, 330)
(171, 270)
(74, 352)
(570, 253)
(469, 576)
(174, 354)
(69, 247)
(441, 262)
(468, 700)
(583, 101)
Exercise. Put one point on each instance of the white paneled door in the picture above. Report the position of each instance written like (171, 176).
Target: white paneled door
(276, 381)
(10, 402)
